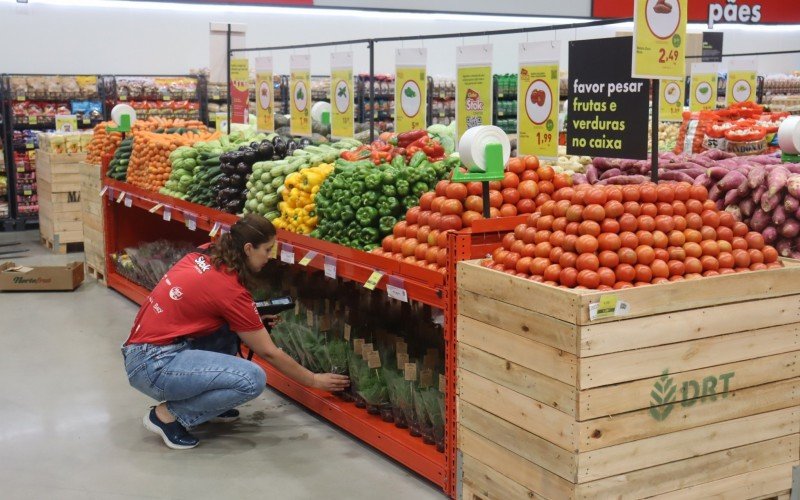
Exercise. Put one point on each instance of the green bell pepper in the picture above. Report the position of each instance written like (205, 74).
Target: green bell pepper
(388, 206)
(366, 216)
(335, 211)
(403, 187)
(357, 187)
(355, 202)
(388, 176)
(370, 198)
(386, 224)
(410, 201)
(373, 181)
(347, 214)
(389, 190)
(417, 159)
(398, 161)
(369, 235)
(419, 188)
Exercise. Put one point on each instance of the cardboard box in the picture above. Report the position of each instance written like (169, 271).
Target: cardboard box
(14, 278)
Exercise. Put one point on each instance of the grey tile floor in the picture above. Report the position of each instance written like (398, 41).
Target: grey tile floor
(70, 425)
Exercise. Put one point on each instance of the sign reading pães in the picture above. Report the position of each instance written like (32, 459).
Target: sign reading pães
(714, 11)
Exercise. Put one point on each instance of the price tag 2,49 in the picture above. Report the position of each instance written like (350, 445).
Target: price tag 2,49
(373, 280)
(306, 260)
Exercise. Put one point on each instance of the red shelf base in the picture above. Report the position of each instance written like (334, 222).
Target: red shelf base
(396, 443)
(127, 287)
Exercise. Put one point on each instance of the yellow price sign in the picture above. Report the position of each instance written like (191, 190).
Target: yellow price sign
(300, 97)
(741, 86)
(410, 97)
(659, 39)
(373, 280)
(703, 89)
(342, 102)
(265, 109)
(537, 109)
(670, 102)
(306, 260)
(474, 100)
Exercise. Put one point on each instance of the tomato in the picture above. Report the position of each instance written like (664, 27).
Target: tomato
(536, 278)
(516, 247)
(699, 193)
(589, 227)
(475, 188)
(561, 181)
(775, 265)
(607, 276)
(754, 240)
(545, 222)
(528, 250)
(569, 242)
(586, 243)
(628, 239)
(574, 213)
(645, 223)
(456, 191)
(507, 240)
(529, 234)
(510, 180)
(740, 229)
(645, 254)
(693, 265)
(676, 253)
(621, 285)
(630, 193)
(587, 261)
(451, 222)
(694, 206)
(660, 269)
(557, 238)
(665, 193)
(523, 265)
(531, 162)
(510, 195)
(546, 187)
(424, 218)
(660, 280)
(399, 229)
(529, 175)
(625, 272)
(412, 215)
(495, 199)
(645, 238)
(676, 238)
(676, 268)
(548, 207)
(741, 258)
(680, 222)
(648, 194)
(726, 219)
(568, 277)
(726, 260)
(643, 273)
(594, 212)
(678, 208)
(515, 165)
(441, 258)
(474, 203)
(609, 241)
(589, 279)
(546, 173)
(608, 258)
(519, 231)
(568, 259)
(710, 218)
(411, 231)
(541, 199)
(649, 209)
(542, 235)
(564, 194)
(627, 255)
(451, 207)
(560, 224)
(436, 204)
(724, 246)
(508, 210)
(397, 244)
(758, 266)
(538, 265)
(709, 263)
(610, 226)
(628, 222)
(572, 228)
(441, 239)
(660, 239)
(664, 223)
(421, 252)
(577, 197)
(552, 272)
(614, 193)
(739, 242)
(425, 200)
(708, 233)
(709, 205)
(543, 249)
(770, 254)
(441, 188)
(614, 209)
(693, 236)
(692, 249)
(682, 191)
(525, 206)
(756, 256)
(725, 233)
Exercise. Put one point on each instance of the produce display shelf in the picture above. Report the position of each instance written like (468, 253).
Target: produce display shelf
(128, 288)
(396, 443)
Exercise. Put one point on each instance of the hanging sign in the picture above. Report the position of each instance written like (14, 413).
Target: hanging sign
(342, 100)
(66, 123)
(239, 90)
(712, 46)
(670, 102)
(300, 94)
(410, 89)
(608, 109)
(741, 85)
(659, 39)
(473, 87)
(265, 98)
(538, 98)
(703, 89)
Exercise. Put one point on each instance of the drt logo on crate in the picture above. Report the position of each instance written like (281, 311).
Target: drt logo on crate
(664, 396)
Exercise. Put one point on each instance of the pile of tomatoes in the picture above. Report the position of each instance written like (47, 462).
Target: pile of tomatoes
(613, 237)
(421, 238)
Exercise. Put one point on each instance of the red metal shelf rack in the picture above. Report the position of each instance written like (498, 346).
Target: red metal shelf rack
(126, 227)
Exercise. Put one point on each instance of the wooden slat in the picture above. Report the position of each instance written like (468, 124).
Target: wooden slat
(630, 396)
(518, 378)
(667, 448)
(523, 322)
(535, 297)
(488, 484)
(535, 417)
(627, 427)
(555, 363)
(518, 440)
(754, 484)
(708, 292)
(693, 471)
(680, 326)
(642, 363)
(516, 468)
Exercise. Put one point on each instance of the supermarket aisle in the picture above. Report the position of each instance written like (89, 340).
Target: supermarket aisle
(71, 425)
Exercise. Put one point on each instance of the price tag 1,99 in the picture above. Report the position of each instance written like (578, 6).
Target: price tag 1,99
(287, 254)
(306, 260)
(373, 280)
(330, 267)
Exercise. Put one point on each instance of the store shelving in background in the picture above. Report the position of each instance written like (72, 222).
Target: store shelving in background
(175, 96)
(441, 100)
(782, 92)
(382, 108)
(505, 102)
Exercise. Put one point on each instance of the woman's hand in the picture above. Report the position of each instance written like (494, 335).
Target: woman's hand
(331, 382)
(270, 320)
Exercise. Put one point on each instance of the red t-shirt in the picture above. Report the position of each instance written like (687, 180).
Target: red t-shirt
(194, 299)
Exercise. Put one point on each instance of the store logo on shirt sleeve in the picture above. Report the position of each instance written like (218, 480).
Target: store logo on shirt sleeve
(157, 308)
(201, 265)
(175, 293)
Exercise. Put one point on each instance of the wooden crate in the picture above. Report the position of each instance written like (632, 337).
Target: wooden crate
(695, 393)
(59, 191)
(92, 216)
(58, 168)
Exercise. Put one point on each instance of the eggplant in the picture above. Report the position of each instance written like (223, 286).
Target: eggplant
(236, 157)
(232, 206)
(236, 180)
(244, 193)
(225, 158)
(305, 141)
(290, 147)
(243, 148)
(254, 145)
(250, 156)
(265, 151)
(277, 139)
(243, 169)
(230, 192)
(223, 182)
(227, 168)
(280, 150)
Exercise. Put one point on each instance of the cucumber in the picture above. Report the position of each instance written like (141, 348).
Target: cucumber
(211, 162)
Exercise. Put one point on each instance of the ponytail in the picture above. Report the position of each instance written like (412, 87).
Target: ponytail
(228, 250)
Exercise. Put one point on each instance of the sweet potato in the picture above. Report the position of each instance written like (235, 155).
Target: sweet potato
(578, 178)
(625, 179)
(759, 193)
(776, 180)
(779, 215)
(790, 229)
(791, 204)
(732, 180)
(717, 173)
(756, 177)
(770, 234)
(715, 193)
(610, 173)
(759, 221)
(591, 174)
(793, 185)
(731, 197)
(674, 175)
(770, 201)
(747, 206)
(784, 247)
(733, 209)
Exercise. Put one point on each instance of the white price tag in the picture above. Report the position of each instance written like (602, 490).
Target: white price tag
(128, 201)
(396, 292)
(103, 191)
(330, 267)
(191, 221)
(155, 208)
(287, 254)
(121, 197)
(622, 309)
(167, 214)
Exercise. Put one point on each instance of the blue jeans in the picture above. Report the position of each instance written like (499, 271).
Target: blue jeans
(197, 384)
